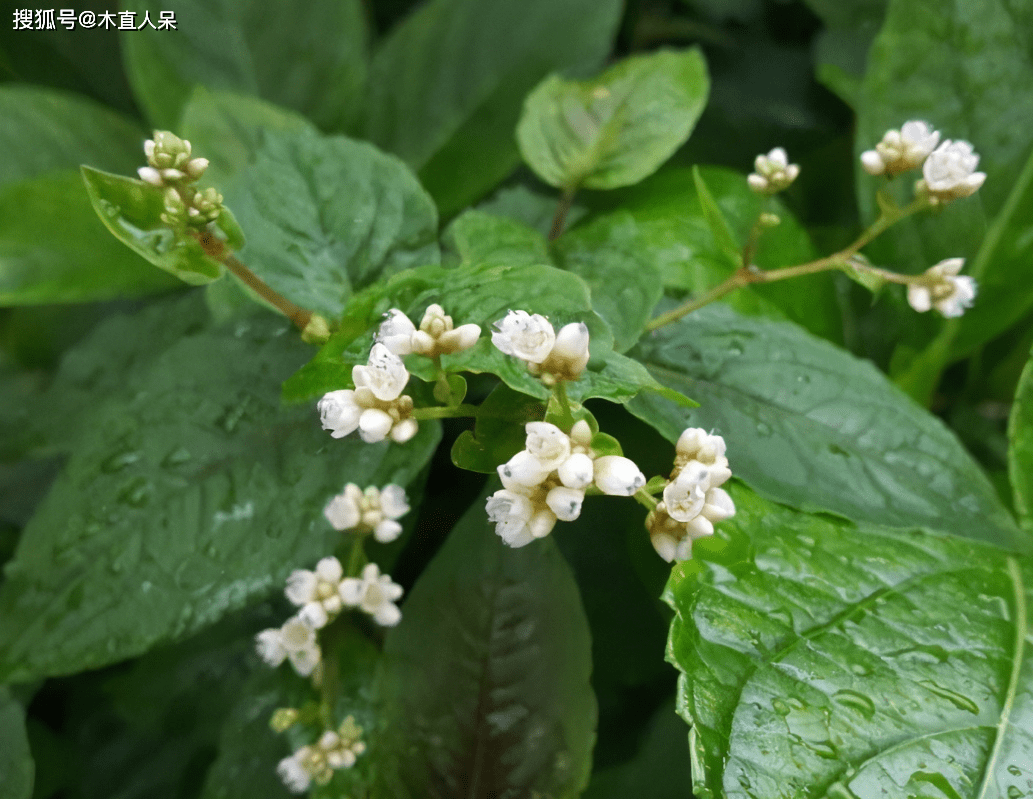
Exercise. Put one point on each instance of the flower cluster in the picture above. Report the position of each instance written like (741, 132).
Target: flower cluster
(335, 749)
(546, 482)
(551, 355)
(376, 406)
(773, 172)
(375, 510)
(948, 171)
(693, 501)
(170, 166)
(436, 335)
(943, 289)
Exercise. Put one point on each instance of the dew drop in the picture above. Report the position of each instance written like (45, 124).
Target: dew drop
(822, 749)
(135, 493)
(780, 707)
(1014, 770)
(119, 461)
(782, 617)
(958, 700)
(860, 669)
(838, 790)
(855, 701)
(1014, 792)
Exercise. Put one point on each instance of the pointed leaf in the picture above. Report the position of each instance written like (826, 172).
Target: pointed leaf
(16, 767)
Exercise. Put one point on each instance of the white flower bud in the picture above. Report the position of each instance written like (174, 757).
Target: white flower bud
(618, 476)
(949, 171)
(581, 434)
(773, 172)
(524, 336)
(343, 511)
(901, 150)
(423, 343)
(547, 443)
(385, 374)
(872, 163)
(196, 167)
(149, 174)
(944, 290)
(148, 149)
(404, 430)
(565, 503)
(511, 513)
(523, 470)
(387, 531)
(396, 332)
(570, 353)
(577, 471)
(719, 505)
(339, 413)
(542, 522)
(462, 338)
(374, 425)
(393, 501)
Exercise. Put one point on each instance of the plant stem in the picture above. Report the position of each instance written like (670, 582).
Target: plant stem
(562, 209)
(448, 412)
(644, 498)
(748, 274)
(215, 249)
(560, 391)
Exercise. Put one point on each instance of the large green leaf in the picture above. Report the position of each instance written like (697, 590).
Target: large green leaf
(16, 767)
(1020, 447)
(674, 233)
(812, 426)
(489, 672)
(328, 215)
(618, 128)
(481, 294)
(54, 249)
(478, 236)
(313, 62)
(447, 84)
(823, 659)
(132, 209)
(189, 493)
(46, 129)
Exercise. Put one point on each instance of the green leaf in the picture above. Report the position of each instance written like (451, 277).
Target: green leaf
(821, 658)
(814, 427)
(618, 128)
(16, 767)
(489, 670)
(46, 129)
(329, 215)
(1020, 448)
(447, 83)
(54, 249)
(715, 219)
(131, 210)
(676, 235)
(189, 493)
(228, 130)
(477, 236)
(612, 255)
(500, 433)
(251, 47)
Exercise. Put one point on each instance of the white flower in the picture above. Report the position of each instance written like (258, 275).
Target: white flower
(295, 641)
(375, 425)
(696, 444)
(577, 471)
(438, 336)
(569, 355)
(950, 172)
(385, 375)
(511, 514)
(773, 172)
(339, 412)
(618, 476)
(547, 443)
(404, 430)
(374, 594)
(317, 592)
(943, 289)
(901, 150)
(524, 336)
(685, 496)
(375, 510)
(565, 502)
(395, 332)
(523, 470)
(294, 771)
(334, 750)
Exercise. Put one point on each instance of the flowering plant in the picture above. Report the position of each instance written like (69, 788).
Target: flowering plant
(380, 417)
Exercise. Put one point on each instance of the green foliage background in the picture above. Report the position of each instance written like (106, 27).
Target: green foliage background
(859, 628)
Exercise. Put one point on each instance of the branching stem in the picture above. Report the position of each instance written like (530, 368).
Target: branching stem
(562, 209)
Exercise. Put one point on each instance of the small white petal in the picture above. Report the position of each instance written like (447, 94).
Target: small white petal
(387, 531)
(719, 505)
(301, 587)
(393, 501)
(314, 615)
(872, 162)
(581, 433)
(542, 522)
(293, 774)
(351, 591)
(699, 526)
(339, 413)
(305, 660)
(396, 332)
(404, 430)
(467, 336)
(524, 336)
(150, 175)
(269, 647)
(547, 443)
(756, 182)
(387, 615)
(565, 503)
(666, 546)
(342, 513)
(577, 471)
(374, 425)
(330, 569)
(523, 470)
(618, 476)
(919, 298)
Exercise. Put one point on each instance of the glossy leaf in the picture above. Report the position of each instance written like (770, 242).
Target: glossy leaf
(173, 508)
(16, 766)
(612, 256)
(618, 128)
(812, 426)
(489, 673)
(251, 47)
(131, 210)
(54, 249)
(820, 658)
(478, 236)
(45, 129)
(500, 433)
(447, 83)
(328, 215)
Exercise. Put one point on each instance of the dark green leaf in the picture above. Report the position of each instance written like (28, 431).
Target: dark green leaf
(618, 128)
(189, 493)
(54, 249)
(1020, 447)
(447, 84)
(46, 129)
(328, 215)
(228, 130)
(478, 237)
(132, 209)
(16, 768)
(499, 434)
(313, 62)
(714, 217)
(825, 659)
(612, 255)
(489, 670)
(812, 426)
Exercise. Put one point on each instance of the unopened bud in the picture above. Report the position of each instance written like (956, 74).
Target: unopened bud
(317, 331)
(283, 719)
